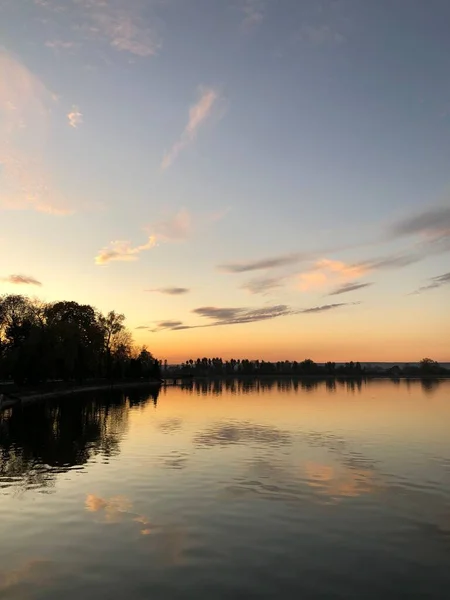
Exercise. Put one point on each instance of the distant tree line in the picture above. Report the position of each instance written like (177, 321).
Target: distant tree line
(307, 368)
(67, 341)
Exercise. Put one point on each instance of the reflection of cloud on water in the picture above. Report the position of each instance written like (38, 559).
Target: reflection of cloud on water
(243, 433)
(143, 521)
(174, 460)
(32, 572)
(113, 508)
(171, 425)
(341, 450)
(340, 482)
(167, 540)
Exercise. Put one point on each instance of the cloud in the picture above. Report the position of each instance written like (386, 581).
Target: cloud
(320, 35)
(124, 30)
(326, 307)
(163, 325)
(254, 12)
(435, 282)
(75, 117)
(21, 280)
(349, 287)
(198, 113)
(238, 316)
(119, 23)
(431, 226)
(57, 45)
(394, 261)
(25, 117)
(122, 251)
(326, 271)
(264, 284)
(171, 291)
(169, 324)
(431, 223)
(265, 263)
(176, 227)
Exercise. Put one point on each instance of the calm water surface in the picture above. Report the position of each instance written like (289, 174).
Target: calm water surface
(229, 491)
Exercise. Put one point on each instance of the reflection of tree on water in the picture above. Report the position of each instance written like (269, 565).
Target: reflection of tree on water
(429, 386)
(217, 387)
(41, 440)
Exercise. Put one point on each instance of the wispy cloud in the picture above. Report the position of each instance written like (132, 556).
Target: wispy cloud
(327, 271)
(263, 264)
(326, 307)
(393, 261)
(254, 12)
(349, 287)
(198, 114)
(219, 316)
(123, 251)
(170, 291)
(75, 117)
(432, 222)
(167, 325)
(434, 283)
(432, 227)
(25, 113)
(20, 280)
(263, 285)
(122, 24)
(124, 30)
(57, 45)
(172, 228)
(320, 35)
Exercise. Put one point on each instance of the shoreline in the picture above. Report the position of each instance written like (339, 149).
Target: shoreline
(23, 397)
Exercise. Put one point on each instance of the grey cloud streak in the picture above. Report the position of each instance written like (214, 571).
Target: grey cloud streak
(240, 315)
(265, 263)
(349, 287)
(326, 307)
(21, 280)
(435, 282)
(432, 221)
(171, 291)
(264, 284)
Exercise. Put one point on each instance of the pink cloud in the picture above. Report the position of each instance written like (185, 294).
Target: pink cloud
(327, 271)
(197, 115)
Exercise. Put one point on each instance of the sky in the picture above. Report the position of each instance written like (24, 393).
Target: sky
(241, 178)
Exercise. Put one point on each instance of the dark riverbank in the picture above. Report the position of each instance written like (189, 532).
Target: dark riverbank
(13, 394)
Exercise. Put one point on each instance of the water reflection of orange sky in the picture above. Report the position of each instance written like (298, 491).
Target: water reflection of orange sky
(340, 482)
(35, 572)
(405, 410)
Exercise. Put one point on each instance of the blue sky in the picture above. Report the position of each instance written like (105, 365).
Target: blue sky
(262, 154)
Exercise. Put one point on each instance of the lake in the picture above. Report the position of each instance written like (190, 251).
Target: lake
(229, 490)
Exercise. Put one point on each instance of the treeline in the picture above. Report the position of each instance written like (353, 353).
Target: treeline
(307, 368)
(67, 341)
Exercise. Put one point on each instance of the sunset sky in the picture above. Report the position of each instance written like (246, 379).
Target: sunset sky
(248, 178)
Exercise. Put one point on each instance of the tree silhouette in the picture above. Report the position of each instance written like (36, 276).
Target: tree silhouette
(66, 341)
